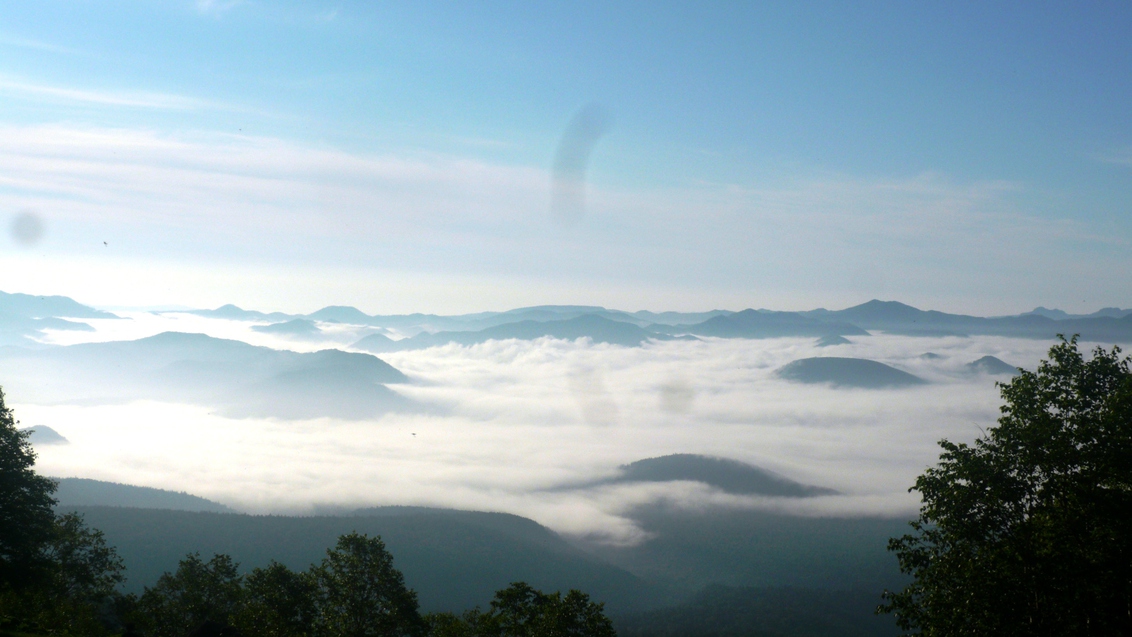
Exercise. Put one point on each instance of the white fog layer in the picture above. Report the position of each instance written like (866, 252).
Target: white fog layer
(528, 427)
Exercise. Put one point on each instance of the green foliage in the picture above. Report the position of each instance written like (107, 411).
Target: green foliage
(196, 592)
(1027, 531)
(521, 611)
(727, 611)
(73, 586)
(26, 517)
(56, 574)
(354, 592)
(361, 594)
(278, 602)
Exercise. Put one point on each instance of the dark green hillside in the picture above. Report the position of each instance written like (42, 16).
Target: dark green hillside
(722, 611)
(695, 548)
(454, 560)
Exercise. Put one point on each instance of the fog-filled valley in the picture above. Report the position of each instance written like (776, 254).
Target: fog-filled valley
(535, 424)
(748, 449)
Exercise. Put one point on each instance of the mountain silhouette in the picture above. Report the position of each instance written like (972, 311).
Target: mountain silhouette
(731, 476)
(377, 344)
(44, 435)
(767, 324)
(991, 365)
(294, 327)
(235, 378)
(597, 328)
(899, 318)
(76, 492)
(23, 317)
(847, 372)
(828, 341)
(235, 313)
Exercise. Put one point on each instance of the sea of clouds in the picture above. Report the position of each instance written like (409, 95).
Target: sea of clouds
(525, 426)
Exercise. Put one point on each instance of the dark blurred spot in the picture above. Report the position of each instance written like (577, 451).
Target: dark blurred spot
(568, 190)
(595, 401)
(27, 228)
(676, 397)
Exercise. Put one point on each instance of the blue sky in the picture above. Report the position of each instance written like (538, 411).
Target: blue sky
(969, 157)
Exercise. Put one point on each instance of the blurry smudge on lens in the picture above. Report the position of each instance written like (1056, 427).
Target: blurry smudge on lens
(568, 190)
(594, 400)
(27, 228)
(676, 396)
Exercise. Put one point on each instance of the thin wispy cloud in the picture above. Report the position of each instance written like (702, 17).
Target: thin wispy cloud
(164, 101)
(37, 45)
(838, 237)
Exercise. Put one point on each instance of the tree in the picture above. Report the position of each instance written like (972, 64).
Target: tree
(26, 515)
(361, 594)
(278, 602)
(76, 583)
(56, 574)
(1027, 532)
(522, 611)
(198, 591)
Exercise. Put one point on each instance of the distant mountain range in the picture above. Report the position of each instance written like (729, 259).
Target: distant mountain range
(294, 327)
(597, 328)
(79, 492)
(415, 323)
(1108, 325)
(1061, 315)
(235, 378)
(23, 317)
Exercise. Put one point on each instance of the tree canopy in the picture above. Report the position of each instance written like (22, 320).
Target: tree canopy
(56, 574)
(520, 610)
(1026, 532)
(26, 515)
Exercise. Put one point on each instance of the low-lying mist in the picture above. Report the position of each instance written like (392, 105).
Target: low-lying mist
(530, 427)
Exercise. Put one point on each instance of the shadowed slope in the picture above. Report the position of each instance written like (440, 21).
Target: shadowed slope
(453, 559)
(78, 492)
